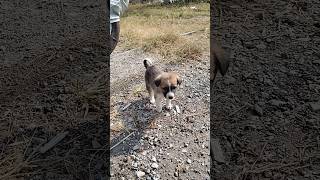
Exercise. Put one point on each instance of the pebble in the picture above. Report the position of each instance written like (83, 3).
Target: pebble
(154, 165)
(261, 46)
(140, 174)
(154, 159)
(178, 109)
(189, 161)
(184, 150)
(167, 114)
(170, 145)
(135, 165)
(176, 174)
(257, 109)
(136, 147)
(315, 106)
(133, 157)
(217, 150)
(276, 102)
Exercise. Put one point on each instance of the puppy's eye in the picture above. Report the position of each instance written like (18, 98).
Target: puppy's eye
(166, 88)
(173, 87)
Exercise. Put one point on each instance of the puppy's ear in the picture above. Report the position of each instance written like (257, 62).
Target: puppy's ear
(157, 81)
(179, 80)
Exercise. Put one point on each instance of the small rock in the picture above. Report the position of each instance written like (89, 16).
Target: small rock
(276, 102)
(176, 174)
(167, 114)
(133, 157)
(154, 165)
(2, 48)
(185, 145)
(170, 145)
(261, 46)
(189, 161)
(178, 109)
(248, 45)
(315, 106)
(86, 50)
(154, 159)
(216, 150)
(140, 174)
(184, 150)
(135, 165)
(316, 62)
(267, 174)
(136, 147)
(174, 112)
(258, 110)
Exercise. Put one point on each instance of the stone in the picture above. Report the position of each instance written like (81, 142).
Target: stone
(315, 106)
(189, 161)
(258, 110)
(216, 150)
(140, 174)
(154, 165)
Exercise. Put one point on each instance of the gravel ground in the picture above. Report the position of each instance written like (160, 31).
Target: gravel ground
(168, 145)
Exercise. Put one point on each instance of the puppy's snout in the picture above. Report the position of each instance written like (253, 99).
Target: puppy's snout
(170, 95)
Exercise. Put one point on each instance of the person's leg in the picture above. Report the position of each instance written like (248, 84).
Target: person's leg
(115, 31)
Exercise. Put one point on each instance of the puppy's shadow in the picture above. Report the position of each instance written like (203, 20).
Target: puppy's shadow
(143, 116)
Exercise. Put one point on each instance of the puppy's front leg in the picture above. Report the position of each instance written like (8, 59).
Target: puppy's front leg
(168, 104)
(152, 100)
(158, 104)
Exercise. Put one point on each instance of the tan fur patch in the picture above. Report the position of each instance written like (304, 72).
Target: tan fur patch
(167, 78)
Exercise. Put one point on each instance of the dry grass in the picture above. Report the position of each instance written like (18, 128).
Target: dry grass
(158, 29)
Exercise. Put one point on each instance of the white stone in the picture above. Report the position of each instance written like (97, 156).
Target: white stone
(140, 174)
(154, 165)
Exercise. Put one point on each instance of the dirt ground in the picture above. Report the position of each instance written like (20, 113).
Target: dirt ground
(53, 84)
(265, 112)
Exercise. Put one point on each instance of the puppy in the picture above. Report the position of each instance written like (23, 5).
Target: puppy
(160, 85)
(219, 61)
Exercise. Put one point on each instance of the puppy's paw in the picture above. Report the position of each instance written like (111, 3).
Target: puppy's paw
(152, 100)
(169, 106)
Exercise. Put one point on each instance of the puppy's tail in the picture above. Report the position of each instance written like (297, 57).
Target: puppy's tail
(147, 62)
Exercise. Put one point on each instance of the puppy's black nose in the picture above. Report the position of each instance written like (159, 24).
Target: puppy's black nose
(170, 97)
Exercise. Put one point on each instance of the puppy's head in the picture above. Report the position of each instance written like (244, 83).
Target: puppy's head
(168, 83)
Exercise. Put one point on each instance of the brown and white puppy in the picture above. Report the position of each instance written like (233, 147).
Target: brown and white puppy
(160, 84)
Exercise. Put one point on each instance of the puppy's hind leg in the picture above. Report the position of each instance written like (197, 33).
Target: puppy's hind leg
(151, 94)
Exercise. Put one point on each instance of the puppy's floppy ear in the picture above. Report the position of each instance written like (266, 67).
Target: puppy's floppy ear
(157, 81)
(179, 80)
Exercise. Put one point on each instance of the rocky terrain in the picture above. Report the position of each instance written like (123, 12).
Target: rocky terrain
(168, 145)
